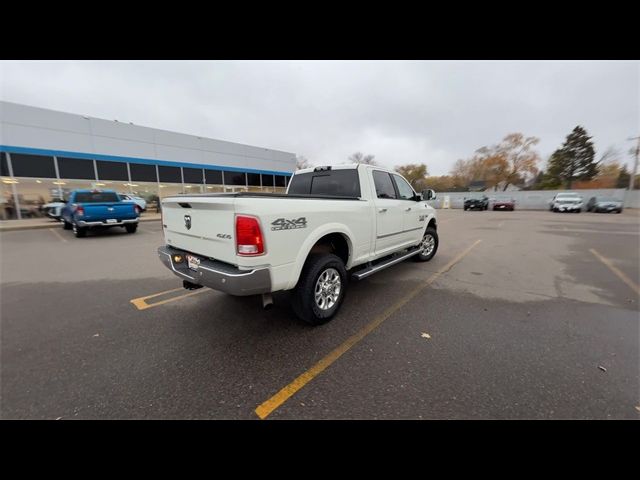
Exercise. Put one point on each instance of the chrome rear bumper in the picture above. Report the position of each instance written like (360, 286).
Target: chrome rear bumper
(217, 275)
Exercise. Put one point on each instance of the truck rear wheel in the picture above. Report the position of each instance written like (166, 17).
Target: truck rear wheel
(79, 232)
(66, 225)
(320, 290)
(131, 227)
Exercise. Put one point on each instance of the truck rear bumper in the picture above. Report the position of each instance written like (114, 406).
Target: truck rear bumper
(216, 275)
(83, 223)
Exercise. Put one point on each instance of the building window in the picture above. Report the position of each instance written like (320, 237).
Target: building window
(192, 175)
(170, 174)
(213, 177)
(253, 179)
(112, 170)
(267, 180)
(37, 166)
(280, 181)
(142, 172)
(234, 178)
(76, 168)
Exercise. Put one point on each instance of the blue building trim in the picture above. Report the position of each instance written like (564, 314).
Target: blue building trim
(147, 161)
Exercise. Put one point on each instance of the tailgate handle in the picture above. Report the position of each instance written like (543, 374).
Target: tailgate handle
(185, 205)
(407, 209)
(382, 210)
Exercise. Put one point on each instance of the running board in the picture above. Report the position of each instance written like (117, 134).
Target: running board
(364, 273)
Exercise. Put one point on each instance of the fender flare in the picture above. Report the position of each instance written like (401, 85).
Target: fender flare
(311, 240)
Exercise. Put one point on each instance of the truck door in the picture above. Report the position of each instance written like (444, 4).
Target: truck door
(412, 226)
(389, 214)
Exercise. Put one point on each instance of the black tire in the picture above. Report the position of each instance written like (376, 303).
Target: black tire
(79, 232)
(464, 208)
(303, 299)
(131, 227)
(66, 225)
(425, 258)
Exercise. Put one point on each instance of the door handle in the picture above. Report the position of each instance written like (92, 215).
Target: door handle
(382, 210)
(407, 209)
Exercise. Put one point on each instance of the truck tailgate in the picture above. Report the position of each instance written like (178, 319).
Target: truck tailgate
(204, 227)
(104, 211)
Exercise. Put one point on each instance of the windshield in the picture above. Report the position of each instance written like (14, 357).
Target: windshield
(503, 197)
(607, 199)
(475, 196)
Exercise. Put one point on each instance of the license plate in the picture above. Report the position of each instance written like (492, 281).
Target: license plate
(193, 262)
(112, 220)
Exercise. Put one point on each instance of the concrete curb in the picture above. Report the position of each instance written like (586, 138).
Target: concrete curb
(11, 228)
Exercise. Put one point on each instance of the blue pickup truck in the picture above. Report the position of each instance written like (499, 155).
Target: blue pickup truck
(88, 209)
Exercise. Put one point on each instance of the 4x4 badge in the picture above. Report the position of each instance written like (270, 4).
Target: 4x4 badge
(284, 224)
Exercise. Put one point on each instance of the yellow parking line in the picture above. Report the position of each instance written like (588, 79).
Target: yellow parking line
(620, 274)
(141, 302)
(57, 234)
(267, 407)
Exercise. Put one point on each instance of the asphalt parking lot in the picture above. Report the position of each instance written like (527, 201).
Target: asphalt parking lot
(521, 315)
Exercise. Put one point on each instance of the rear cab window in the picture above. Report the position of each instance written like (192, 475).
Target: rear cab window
(97, 197)
(333, 183)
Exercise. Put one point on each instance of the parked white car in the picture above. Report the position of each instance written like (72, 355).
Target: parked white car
(566, 202)
(334, 223)
(141, 202)
(53, 209)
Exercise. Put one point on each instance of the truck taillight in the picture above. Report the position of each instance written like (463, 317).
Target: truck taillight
(80, 210)
(249, 240)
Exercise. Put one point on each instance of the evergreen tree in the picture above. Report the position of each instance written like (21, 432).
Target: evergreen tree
(575, 160)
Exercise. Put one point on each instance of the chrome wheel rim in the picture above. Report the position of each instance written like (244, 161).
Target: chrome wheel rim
(327, 290)
(427, 245)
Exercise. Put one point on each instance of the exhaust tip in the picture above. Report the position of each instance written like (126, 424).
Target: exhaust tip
(267, 301)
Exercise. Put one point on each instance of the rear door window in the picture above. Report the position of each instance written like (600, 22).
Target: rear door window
(383, 184)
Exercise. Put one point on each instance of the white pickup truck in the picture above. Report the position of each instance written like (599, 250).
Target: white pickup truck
(334, 223)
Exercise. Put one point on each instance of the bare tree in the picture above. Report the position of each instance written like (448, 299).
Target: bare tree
(359, 157)
(302, 162)
(610, 155)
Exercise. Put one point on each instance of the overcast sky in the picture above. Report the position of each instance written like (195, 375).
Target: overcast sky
(402, 112)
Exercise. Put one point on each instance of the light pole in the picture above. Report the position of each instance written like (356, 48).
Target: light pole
(635, 163)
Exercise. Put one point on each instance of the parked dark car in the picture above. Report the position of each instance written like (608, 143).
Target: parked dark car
(503, 202)
(477, 201)
(604, 204)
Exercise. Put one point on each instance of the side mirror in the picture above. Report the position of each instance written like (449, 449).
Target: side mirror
(418, 197)
(428, 194)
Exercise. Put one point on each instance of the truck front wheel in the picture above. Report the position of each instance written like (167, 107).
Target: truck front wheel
(320, 290)
(429, 245)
